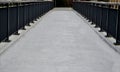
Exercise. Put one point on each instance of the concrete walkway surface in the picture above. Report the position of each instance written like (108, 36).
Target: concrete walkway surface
(61, 42)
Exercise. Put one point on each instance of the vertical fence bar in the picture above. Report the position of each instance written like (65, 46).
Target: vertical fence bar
(23, 6)
(8, 23)
(101, 28)
(96, 15)
(118, 27)
(107, 23)
(17, 25)
(92, 13)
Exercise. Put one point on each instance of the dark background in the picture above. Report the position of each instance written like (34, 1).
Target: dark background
(63, 3)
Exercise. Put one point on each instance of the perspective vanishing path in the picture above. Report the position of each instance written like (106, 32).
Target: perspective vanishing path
(61, 42)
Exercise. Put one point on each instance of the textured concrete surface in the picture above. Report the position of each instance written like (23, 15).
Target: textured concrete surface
(61, 42)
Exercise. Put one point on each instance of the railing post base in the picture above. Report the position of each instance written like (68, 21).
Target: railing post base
(89, 21)
(23, 28)
(96, 26)
(28, 25)
(92, 23)
(117, 43)
(7, 40)
(16, 33)
(101, 30)
(108, 35)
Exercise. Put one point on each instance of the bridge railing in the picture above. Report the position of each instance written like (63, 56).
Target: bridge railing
(104, 15)
(15, 16)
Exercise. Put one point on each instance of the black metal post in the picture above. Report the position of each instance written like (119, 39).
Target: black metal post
(92, 13)
(23, 5)
(96, 16)
(118, 27)
(8, 22)
(108, 9)
(17, 25)
(28, 15)
(101, 16)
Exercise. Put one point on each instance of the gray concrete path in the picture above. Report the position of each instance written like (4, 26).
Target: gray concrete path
(61, 42)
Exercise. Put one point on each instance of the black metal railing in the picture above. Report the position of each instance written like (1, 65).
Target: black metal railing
(15, 16)
(103, 14)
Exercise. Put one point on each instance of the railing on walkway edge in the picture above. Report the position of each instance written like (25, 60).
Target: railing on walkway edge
(15, 16)
(103, 14)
